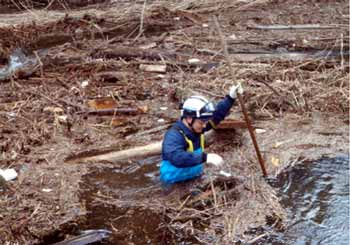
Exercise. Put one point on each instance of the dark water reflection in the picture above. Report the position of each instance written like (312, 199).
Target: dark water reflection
(316, 195)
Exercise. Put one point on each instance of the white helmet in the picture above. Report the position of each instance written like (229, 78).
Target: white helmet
(198, 107)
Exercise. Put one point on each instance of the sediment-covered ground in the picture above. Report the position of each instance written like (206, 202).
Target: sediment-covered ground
(90, 77)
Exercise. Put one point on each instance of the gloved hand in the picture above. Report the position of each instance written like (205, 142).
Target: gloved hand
(236, 89)
(214, 159)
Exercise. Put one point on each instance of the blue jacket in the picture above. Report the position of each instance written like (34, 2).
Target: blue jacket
(178, 164)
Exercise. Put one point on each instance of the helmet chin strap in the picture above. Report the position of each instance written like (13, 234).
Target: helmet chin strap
(191, 125)
(192, 122)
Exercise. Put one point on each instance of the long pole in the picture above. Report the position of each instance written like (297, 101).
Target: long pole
(241, 102)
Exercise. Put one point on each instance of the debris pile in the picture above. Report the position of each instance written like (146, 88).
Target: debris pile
(110, 76)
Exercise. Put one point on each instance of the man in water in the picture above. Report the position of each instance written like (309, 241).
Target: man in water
(183, 153)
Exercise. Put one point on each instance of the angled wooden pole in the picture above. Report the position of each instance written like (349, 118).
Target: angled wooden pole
(241, 102)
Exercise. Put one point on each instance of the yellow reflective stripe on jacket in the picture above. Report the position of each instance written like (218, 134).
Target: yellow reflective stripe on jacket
(212, 124)
(190, 143)
(202, 142)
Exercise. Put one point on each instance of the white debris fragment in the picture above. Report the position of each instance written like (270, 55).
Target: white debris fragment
(46, 190)
(193, 61)
(84, 83)
(11, 114)
(74, 89)
(8, 174)
(233, 37)
(55, 110)
(62, 118)
(224, 173)
(163, 108)
(161, 120)
(160, 76)
(260, 131)
(153, 68)
(148, 46)
(205, 25)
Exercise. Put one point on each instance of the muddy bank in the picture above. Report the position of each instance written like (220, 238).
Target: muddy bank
(92, 60)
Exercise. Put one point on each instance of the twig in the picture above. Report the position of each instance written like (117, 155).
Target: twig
(184, 202)
(278, 94)
(44, 96)
(141, 20)
(342, 51)
(40, 63)
(49, 5)
(214, 192)
(150, 131)
(257, 238)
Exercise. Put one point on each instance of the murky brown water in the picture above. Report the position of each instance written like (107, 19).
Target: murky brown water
(125, 200)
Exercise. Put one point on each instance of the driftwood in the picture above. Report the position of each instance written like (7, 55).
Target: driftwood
(292, 27)
(129, 53)
(115, 111)
(141, 151)
(136, 152)
(150, 149)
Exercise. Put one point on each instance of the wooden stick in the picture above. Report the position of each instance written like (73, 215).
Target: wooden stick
(342, 51)
(241, 102)
(293, 27)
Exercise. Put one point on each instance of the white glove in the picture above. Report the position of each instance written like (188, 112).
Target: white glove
(214, 159)
(236, 89)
